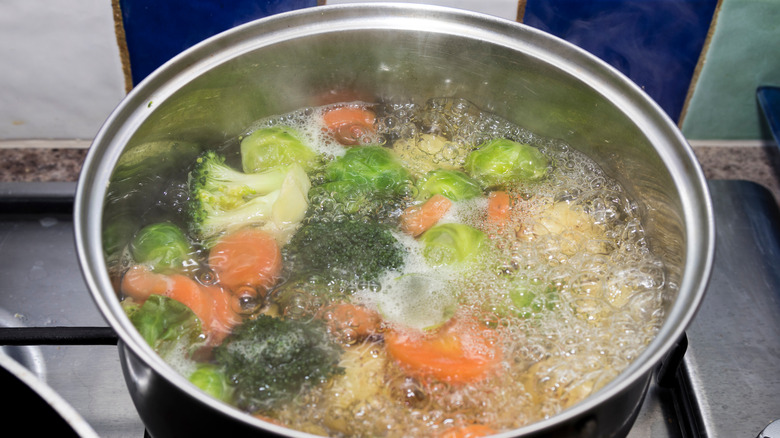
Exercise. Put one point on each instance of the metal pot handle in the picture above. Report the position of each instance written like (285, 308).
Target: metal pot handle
(667, 371)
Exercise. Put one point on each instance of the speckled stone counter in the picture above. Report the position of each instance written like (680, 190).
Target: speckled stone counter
(759, 164)
(41, 164)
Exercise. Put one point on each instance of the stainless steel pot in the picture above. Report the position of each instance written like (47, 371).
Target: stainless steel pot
(396, 53)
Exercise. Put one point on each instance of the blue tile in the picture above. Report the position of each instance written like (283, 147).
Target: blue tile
(769, 101)
(156, 31)
(656, 43)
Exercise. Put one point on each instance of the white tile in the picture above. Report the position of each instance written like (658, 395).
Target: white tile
(61, 74)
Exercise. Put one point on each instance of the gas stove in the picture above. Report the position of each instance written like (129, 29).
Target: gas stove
(721, 381)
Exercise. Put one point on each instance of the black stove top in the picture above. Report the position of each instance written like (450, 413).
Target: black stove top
(725, 385)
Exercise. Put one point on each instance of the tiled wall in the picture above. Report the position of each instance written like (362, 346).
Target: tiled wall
(744, 53)
(60, 74)
(701, 60)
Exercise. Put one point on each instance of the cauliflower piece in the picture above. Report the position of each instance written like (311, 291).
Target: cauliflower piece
(561, 217)
(427, 152)
(361, 382)
(556, 379)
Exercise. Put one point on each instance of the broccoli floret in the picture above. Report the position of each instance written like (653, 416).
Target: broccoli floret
(348, 250)
(222, 198)
(270, 360)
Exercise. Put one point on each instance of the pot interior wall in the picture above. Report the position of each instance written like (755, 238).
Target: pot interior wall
(544, 92)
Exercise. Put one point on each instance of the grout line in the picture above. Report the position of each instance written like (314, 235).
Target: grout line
(121, 41)
(521, 4)
(699, 64)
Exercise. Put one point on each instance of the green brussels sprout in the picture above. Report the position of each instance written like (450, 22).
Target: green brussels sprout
(530, 300)
(455, 185)
(449, 244)
(522, 297)
(501, 161)
(163, 246)
(273, 147)
(135, 187)
(374, 168)
(213, 381)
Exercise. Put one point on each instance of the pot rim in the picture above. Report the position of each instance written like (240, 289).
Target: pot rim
(119, 127)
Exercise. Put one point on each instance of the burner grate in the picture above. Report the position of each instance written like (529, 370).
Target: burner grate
(58, 336)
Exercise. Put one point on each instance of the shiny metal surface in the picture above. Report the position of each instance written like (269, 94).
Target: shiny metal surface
(42, 286)
(733, 361)
(771, 431)
(27, 355)
(399, 53)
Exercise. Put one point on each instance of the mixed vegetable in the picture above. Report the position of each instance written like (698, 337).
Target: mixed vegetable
(321, 272)
(224, 199)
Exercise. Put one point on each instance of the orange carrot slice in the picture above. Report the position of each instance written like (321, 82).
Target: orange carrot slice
(248, 257)
(460, 352)
(139, 282)
(210, 304)
(350, 125)
(470, 431)
(417, 219)
(352, 320)
(224, 318)
(188, 292)
(499, 206)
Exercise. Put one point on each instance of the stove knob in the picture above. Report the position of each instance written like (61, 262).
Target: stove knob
(771, 431)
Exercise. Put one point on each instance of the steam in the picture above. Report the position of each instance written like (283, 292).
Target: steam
(656, 44)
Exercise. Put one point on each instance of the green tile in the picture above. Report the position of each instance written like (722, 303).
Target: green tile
(744, 53)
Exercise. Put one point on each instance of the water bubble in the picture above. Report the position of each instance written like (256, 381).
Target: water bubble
(246, 301)
(205, 276)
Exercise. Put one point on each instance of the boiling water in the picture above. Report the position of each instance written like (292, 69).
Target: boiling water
(569, 286)
(576, 241)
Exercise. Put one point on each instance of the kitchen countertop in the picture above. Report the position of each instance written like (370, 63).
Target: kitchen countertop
(61, 160)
